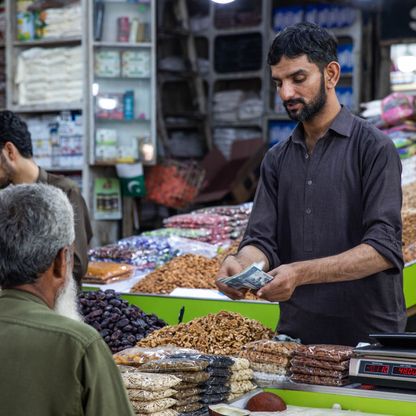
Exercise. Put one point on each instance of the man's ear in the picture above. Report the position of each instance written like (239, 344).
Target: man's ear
(10, 152)
(332, 73)
(59, 264)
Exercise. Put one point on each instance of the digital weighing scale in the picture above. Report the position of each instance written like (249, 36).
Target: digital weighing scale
(391, 362)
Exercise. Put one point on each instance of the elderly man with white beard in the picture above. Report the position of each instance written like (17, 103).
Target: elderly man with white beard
(51, 362)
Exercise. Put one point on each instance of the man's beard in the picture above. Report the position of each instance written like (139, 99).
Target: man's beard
(308, 111)
(66, 303)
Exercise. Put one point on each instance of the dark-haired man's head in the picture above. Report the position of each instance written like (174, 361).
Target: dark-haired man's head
(15, 147)
(300, 58)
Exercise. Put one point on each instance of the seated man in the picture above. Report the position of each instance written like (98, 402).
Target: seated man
(51, 362)
(17, 166)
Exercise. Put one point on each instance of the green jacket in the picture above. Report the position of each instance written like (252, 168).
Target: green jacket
(54, 366)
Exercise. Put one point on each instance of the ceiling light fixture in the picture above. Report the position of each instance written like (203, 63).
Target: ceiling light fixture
(222, 1)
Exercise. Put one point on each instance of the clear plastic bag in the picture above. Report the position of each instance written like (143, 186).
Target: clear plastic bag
(188, 400)
(326, 352)
(166, 412)
(200, 412)
(267, 379)
(323, 381)
(216, 389)
(241, 386)
(193, 376)
(106, 272)
(214, 398)
(266, 358)
(216, 380)
(240, 363)
(153, 406)
(287, 349)
(329, 365)
(241, 375)
(182, 394)
(145, 395)
(169, 365)
(192, 407)
(218, 372)
(185, 386)
(270, 368)
(321, 372)
(134, 379)
(220, 361)
(138, 356)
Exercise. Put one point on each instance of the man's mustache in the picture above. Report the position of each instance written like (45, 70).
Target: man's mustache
(294, 101)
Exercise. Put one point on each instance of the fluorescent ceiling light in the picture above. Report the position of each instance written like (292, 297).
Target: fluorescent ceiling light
(406, 63)
(222, 1)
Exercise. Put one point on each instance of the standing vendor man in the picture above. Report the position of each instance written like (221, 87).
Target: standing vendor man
(17, 166)
(326, 217)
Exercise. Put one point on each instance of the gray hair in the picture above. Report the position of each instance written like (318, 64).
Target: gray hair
(36, 221)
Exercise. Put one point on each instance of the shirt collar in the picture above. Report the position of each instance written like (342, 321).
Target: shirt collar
(21, 295)
(342, 124)
(43, 176)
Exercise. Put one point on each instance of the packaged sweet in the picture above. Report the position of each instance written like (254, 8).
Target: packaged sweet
(241, 386)
(105, 272)
(137, 356)
(326, 352)
(214, 398)
(268, 379)
(287, 349)
(153, 406)
(269, 368)
(134, 379)
(169, 365)
(315, 371)
(240, 363)
(212, 381)
(324, 381)
(214, 361)
(329, 365)
(216, 388)
(188, 400)
(181, 394)
(218, 372)
(263, 357)
(185, 386)
(192, 407)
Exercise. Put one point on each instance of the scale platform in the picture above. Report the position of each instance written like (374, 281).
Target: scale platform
(391, 362)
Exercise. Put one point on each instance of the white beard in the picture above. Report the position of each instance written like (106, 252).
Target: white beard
(66, 300)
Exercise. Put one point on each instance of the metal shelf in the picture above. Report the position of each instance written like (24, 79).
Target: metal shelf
(47, 108)
(238, 31)
(49, 42)
(239, 75)
(122, 45)
(120, 78)
(112, 120)
(63, 168)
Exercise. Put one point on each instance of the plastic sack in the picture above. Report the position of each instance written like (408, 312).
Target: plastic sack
(145, 395)
(329, 365)
(200, 412)
(216, 389)
(214, 398)
(134, 379)
(323, 381)
(185, 386)
(336, 353)
(138, 356)
(267, 379)
(218, 372)
(170, 364)
(188, 246)
(223, 381)
(153, 406)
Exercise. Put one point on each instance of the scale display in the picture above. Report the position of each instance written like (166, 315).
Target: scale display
(385, 369)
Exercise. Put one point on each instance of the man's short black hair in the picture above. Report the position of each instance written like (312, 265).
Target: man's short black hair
(13, 129)
(308, 39)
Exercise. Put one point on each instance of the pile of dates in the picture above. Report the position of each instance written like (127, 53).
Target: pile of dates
(120, 324)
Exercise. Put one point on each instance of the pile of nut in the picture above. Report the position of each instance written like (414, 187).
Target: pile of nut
(409, 222)
(221, 333)
(189, 270)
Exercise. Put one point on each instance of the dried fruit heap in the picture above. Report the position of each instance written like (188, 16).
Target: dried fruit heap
(222, 333)
(119, 324)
